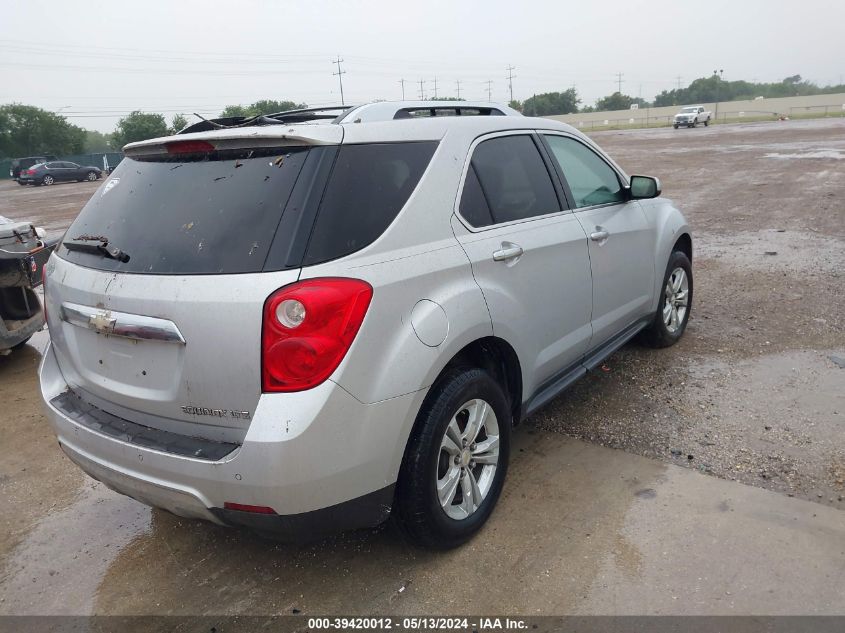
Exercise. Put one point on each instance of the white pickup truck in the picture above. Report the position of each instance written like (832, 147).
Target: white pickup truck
(691, 116)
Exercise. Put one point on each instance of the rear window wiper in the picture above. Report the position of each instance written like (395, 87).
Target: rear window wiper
(96, 245)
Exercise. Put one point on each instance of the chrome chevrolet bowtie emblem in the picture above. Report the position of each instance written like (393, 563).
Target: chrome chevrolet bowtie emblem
(102, 322)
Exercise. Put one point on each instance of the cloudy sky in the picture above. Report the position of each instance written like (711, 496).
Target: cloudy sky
(95, 61)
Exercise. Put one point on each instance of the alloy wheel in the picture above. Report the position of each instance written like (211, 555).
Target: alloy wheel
(676, 300)
(469, 456)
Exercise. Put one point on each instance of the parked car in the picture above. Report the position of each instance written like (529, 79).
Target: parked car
(304, 328)
(58, 171)
(23, 252)
(19, 164)
(691, 116)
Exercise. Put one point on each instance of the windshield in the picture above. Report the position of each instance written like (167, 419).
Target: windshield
(689, 110)
(195, 214)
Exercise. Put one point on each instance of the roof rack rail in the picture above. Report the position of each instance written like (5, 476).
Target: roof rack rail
(392, 110)
(301, 115)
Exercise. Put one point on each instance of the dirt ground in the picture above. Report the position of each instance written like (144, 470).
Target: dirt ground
(752, 393)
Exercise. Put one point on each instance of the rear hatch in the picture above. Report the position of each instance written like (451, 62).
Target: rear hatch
(155, 297)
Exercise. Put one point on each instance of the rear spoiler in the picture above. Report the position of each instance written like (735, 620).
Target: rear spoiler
(242, 138)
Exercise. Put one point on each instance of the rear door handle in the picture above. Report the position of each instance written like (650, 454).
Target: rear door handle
(510, 251)
(600, 235)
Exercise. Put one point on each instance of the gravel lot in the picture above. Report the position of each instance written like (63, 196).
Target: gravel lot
(751, 393)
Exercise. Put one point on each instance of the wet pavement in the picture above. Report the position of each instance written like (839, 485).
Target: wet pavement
(752, 395)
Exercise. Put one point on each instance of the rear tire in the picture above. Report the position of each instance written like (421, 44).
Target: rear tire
(675, 126)
(92, 176)
(707, 123)
(455, 461)
(670, 321)
(47, 180)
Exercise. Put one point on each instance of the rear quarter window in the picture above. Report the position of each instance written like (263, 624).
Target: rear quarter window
(368, 186)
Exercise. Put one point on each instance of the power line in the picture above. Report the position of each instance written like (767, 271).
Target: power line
(340, 74)
(435, 87)
(510, 79)
(489, 83)
(458, 84)
(619, 80)
(402, 83)
(679, 78)
(422, 90)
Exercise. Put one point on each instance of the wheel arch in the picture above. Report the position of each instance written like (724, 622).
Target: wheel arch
(684, 244)
(498, 358)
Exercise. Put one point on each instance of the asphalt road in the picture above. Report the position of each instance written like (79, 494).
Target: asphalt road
(725, 498)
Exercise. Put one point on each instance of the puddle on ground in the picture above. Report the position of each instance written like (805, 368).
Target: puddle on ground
(59, 565)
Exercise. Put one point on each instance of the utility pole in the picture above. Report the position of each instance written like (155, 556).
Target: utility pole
(489, 83)
(422, 93)
(510, 70)
(679, 78)
(435, 87)
(340, 73)
(619, 80)
(402, 83)
(458, 84)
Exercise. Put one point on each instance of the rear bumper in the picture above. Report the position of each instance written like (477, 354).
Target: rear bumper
(322, 460)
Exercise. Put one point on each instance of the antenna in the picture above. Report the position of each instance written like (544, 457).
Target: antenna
(340, 74)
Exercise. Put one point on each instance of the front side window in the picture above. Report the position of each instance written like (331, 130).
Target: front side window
(514, 179)
(591, 180)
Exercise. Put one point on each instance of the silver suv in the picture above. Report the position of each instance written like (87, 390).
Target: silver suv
(307, 321)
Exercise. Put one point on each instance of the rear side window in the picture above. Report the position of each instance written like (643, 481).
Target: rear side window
(591, 180)
(188, 214)
(368, 186)
(474, 207)
(514, 178)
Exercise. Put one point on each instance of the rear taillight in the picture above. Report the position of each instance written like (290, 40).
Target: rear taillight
(308, 328)
(29, 172)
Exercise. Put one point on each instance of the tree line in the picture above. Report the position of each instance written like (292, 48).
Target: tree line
(29, 131)
(702, 90)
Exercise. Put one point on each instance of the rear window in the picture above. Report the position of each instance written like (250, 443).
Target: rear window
(192, 214)
(368, 187)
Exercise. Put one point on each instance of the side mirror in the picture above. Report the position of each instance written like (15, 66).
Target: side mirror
(644, 187)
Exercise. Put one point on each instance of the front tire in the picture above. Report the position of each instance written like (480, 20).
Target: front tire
(92, 176)
(456, 460)
(675, 126)
(707, 123)
(673, 309)
(47, 180)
